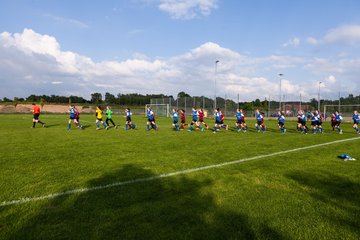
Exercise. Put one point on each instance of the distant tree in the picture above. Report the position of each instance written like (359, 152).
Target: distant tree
(183, 94)
(5, 99)
(110, 98)
(96, 98)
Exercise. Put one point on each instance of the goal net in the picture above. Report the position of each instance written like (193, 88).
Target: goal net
(346, 110)
(162, 110)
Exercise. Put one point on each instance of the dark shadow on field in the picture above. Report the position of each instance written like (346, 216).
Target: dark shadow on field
(338, 191)
(170, 208)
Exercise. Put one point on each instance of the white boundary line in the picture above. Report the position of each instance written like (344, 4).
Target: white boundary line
(165, 175)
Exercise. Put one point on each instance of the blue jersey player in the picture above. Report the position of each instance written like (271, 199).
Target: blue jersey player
(281, 122)
(175, 119)
(356, 119)
(302, 122)
(240, 120)
(319, 121)
(73, 117)
(259, 121)
(338, 119)
(128, 123)
(151, 120)
(194, 120)
(217, 120)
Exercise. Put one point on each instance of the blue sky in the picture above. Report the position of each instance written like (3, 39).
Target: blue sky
(167, 46)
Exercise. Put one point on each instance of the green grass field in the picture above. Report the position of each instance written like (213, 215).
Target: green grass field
(305, 194)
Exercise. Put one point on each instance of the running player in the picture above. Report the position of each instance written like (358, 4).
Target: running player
(194, 115)
(109, 114)
(217, 120)
(314, 122)
(338, 118)
(259, 121)
(319, 121)
(175, 119)
(333, 121)
(36, 113)
(240, 121)
(73, 116)
(281, 121)
(201, 118)
(128, 123)
(151, 120)
(356, 119)
(302, 122)
(222, 124)
(98, 115)
(183, 119)
(77, 117)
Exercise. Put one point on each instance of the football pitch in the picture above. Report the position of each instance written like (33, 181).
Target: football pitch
(137, 184)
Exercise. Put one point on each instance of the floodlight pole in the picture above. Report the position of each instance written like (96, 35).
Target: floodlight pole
(280, 75)
(216, 62)
(319, 96)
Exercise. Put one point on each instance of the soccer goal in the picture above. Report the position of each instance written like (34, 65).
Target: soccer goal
(162, 110)
(345, 110)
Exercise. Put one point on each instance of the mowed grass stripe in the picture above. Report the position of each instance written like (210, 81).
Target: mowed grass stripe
(122, 183)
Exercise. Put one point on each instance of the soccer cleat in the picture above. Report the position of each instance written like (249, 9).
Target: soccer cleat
(97, 128)
(116, 126)
(341, 132)
(43, 125)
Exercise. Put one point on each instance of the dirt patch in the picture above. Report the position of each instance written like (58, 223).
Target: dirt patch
(47, 108)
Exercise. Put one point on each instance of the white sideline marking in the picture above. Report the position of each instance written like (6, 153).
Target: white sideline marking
(165, 175)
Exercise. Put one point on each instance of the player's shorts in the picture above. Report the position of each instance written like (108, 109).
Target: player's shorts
(217, 122)
(99, 119)
(183, 121)
(319, 123)
(333, 124)
(338, 123)
(128, 119)
(36, 116)
(303, 123)
(299, 121)
(72, 116)
(195, 119)
(314, 123)
(259, 122)
(221, 122)
(356, 121)
(201, 120)
(175, 121)
(239, 121)
(281, 124)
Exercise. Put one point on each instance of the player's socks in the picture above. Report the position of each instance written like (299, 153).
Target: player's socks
(133, 125)
(257, 128)
(244, 129)
(314, 130)
(33, 124)
(69, 126)
(97, 125)
(191, 128)
(104, 125)
(263, 128)
(147, 127)
(215, 129)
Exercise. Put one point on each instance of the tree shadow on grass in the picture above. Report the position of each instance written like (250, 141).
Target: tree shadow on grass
(336, 191)
(169, 208)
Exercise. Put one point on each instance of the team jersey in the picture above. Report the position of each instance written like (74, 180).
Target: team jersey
(151, 115)
(314, 119)
(175, 116)
(128, 114)
(98, 113)
(356, 118)
(319, 118)
(238, 116)
(201, 115)
(281, 118)
(36, 109)
(302, 117)
(217, 117)
(338, 118)
(333, 118)
(109, 113)
(194, 114)
(259, 117)
(221, 116)
(72, 112)
(183, 118)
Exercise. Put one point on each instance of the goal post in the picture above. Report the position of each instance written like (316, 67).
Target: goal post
(346, 110)
(162, 110)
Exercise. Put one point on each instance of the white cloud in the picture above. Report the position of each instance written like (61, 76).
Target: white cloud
(187, 9)
(66, 21)
(32, 63)
(312, 41)
(348, 34)
(293, 42)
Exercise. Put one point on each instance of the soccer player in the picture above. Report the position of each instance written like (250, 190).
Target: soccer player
(333, 121)
(356, 119)
(314, 122)
(36, 113)
(201, 118)
(194, 114)
(183, 119)
(217, 120)
(319, 121)
(151, 120)
(128, 123)
(338, 118)
(240, 121)
(98, 115)
(175, 119)
(109, 114)
(222, 124)
(259, 121)
(302, 122)
(77, 117)
(281, 121)
(74, 116)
